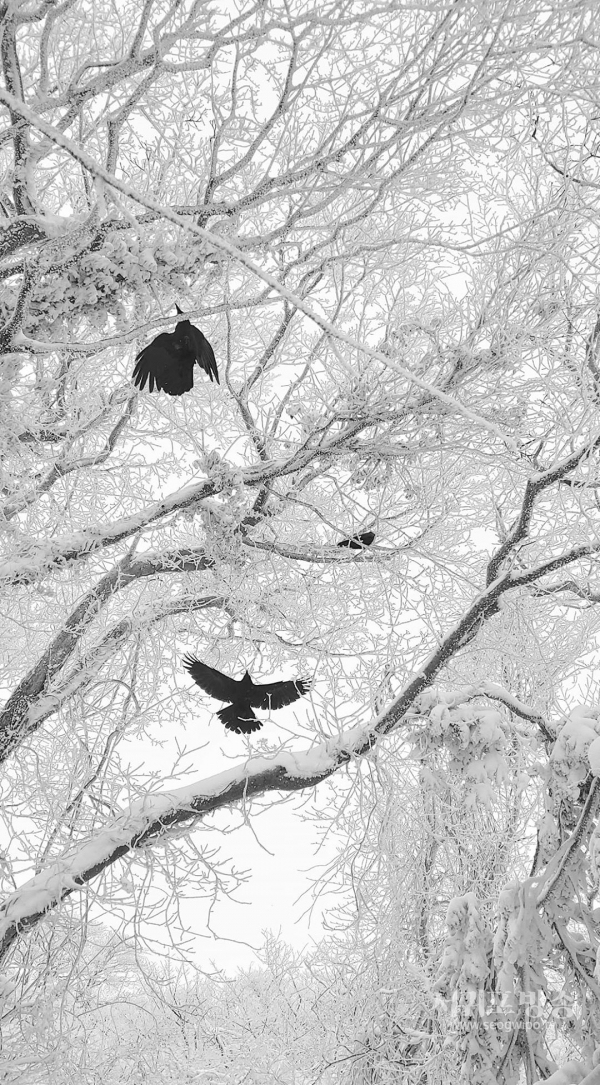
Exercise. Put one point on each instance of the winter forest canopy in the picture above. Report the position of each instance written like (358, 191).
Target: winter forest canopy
(385, 218)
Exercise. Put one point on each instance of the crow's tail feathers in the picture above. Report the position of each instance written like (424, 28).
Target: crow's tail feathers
(239, 718)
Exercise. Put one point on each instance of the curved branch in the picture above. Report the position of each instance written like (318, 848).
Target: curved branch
(21, 714)
(497, 693)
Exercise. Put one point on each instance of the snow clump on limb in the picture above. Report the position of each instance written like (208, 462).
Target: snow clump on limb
(474, 738)
(571, 758)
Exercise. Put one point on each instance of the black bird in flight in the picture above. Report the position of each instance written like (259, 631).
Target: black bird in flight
(168, 361)
(243, 694)
(358, 541)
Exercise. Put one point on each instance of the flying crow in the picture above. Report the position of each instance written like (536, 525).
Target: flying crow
(243, 694)
(168, 361)
(358, 541)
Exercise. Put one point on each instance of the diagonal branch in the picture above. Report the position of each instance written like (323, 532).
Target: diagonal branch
(151, 819)
(535, 485)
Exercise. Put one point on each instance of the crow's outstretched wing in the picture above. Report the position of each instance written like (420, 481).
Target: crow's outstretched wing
(356, 542)
(277, 694)
(239, 718)
(161, 364)
(153, 362)
(203, 353)
(220, 686)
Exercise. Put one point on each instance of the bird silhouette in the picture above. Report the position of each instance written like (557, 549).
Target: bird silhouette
(244, 694)
(357, 542)
(168, 361)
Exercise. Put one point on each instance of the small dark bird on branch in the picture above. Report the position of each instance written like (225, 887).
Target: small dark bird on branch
(358, 541)
(243, 694)
(168, 361)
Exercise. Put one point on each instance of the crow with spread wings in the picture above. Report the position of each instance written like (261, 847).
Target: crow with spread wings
(243, 694)
(357, 542)
(168, 361)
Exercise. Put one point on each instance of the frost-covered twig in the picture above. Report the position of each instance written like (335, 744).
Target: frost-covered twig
(50, 700)
(62, 550)
(533, 488)
(581, 590)
(63, 466)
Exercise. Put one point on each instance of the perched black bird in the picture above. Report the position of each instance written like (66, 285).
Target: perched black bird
(358, 541)
(243, 694)
(168, 361)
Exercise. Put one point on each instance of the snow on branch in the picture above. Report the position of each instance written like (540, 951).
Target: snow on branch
(152, 818)
(593, 1078)
(550, 566)
(583, 591)
(323, 555)
(558, 867)
(67, 548)
(498, 693)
